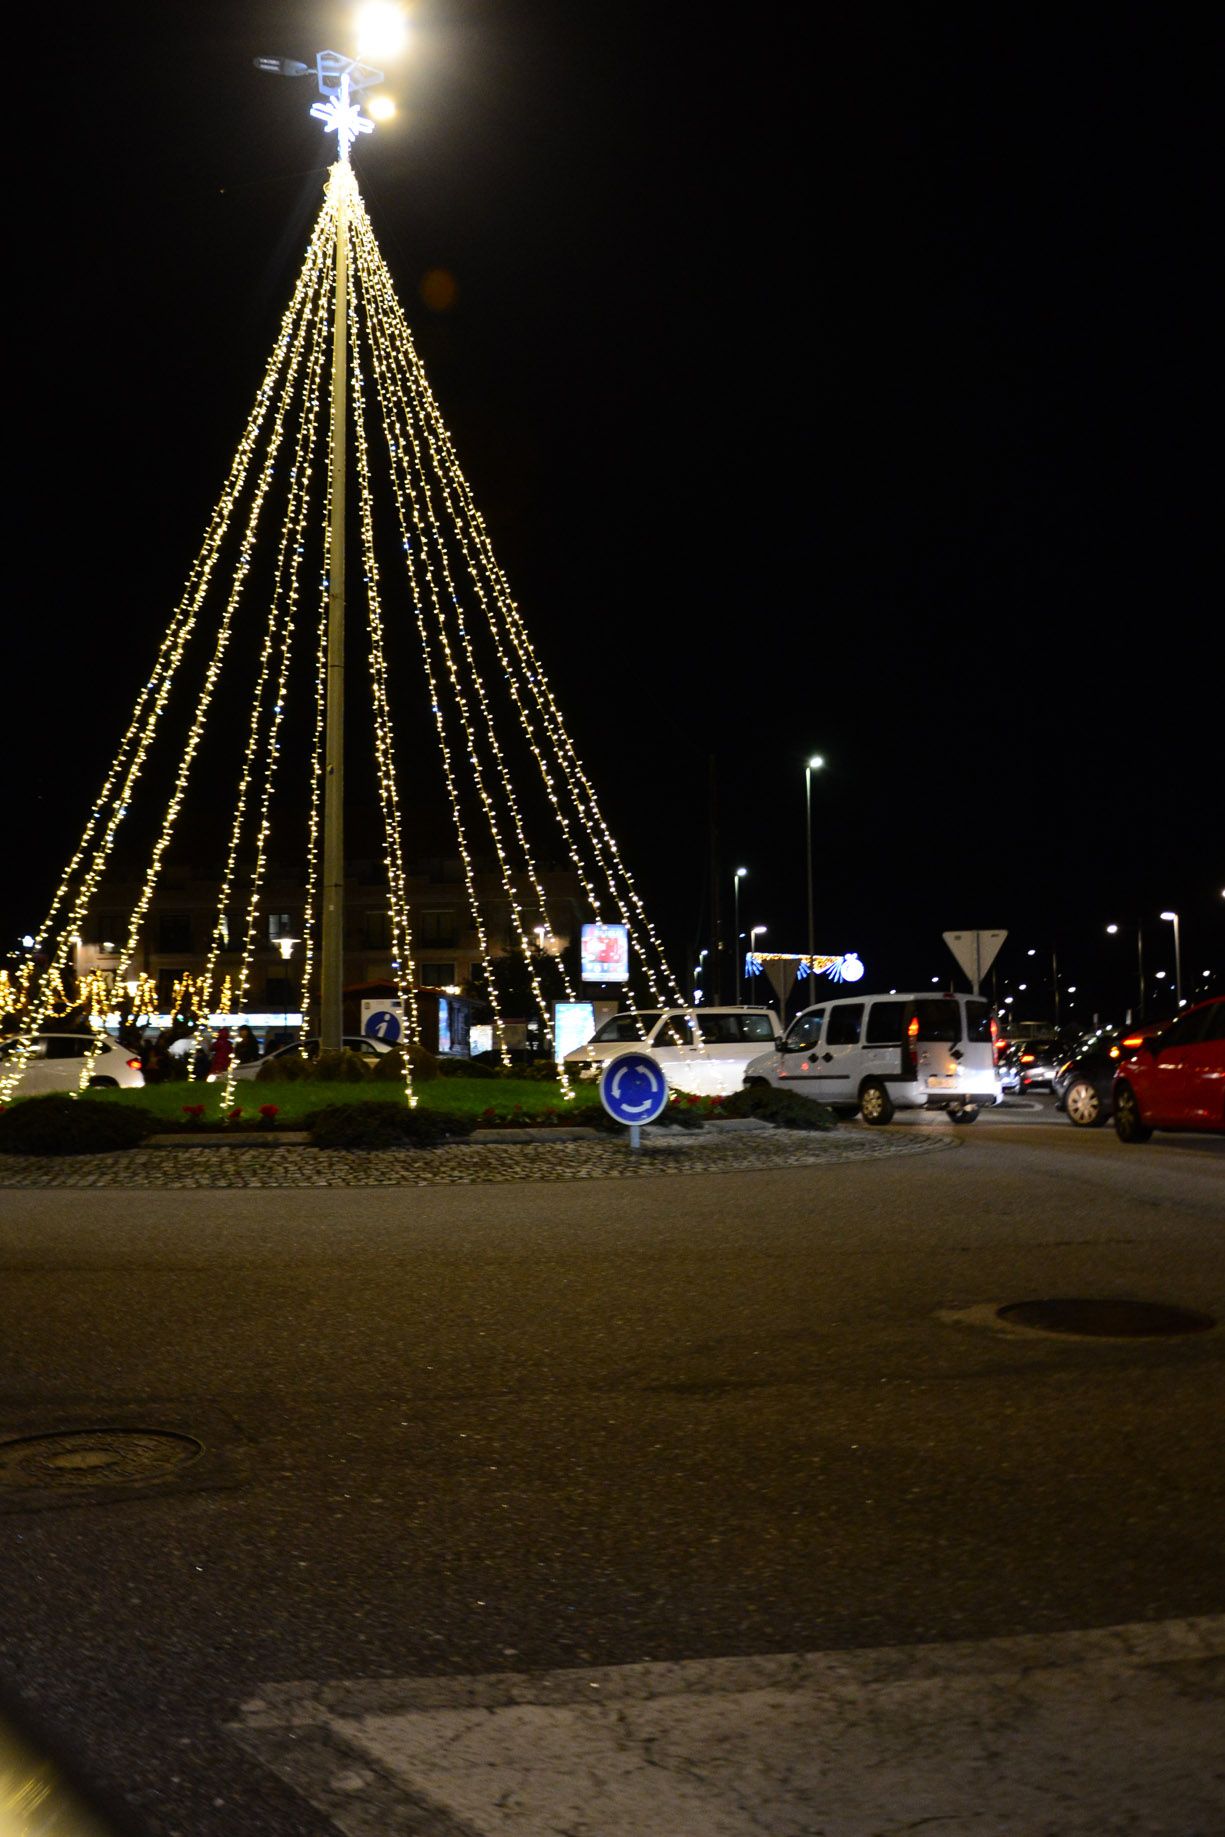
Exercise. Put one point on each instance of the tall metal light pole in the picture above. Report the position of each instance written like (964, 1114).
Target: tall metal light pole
(813, 765)
(1113, 931)
(340, 80)
(737, 877)
(1172, 918)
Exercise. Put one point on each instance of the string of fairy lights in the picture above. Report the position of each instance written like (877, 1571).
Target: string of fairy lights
(489, 696)
(519, 666)
(69, 909)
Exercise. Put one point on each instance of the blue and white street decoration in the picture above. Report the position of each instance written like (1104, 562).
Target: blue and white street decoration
(848, 968)
(633, 1090)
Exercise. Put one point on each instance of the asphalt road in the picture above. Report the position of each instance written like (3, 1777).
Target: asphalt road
(469, 1430)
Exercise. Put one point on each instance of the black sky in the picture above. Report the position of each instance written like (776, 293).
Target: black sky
(857, 368)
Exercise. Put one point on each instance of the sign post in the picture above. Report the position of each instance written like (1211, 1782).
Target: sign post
(634, 1091)
(976, 951)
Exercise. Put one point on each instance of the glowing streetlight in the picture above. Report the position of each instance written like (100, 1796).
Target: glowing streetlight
(814, 765)
(737, 877)
(1171, 918)
(382, 30)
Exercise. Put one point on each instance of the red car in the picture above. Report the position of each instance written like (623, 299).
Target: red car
(1177, 1078)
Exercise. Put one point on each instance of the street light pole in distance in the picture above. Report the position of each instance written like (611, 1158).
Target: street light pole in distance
(813, 765)
(1172, 919)
(1113, 932)
(737, 877)
(753, 936)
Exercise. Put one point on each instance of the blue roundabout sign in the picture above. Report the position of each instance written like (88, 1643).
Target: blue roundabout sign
(633, 1089)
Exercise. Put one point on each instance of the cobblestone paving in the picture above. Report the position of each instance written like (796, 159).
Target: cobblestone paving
(463, 1164)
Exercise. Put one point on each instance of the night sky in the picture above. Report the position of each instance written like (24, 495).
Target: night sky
(837, 380)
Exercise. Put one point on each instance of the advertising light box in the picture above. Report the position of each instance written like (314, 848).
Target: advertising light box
(605, 953)
(573, 1026)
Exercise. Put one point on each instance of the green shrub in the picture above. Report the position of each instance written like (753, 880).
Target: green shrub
(63, 1125)
(343, 1067)
(382, 1125)
(286, 1070)
(389, 1066)
(785, 1109)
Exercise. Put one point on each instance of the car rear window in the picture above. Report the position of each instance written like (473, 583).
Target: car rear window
(939, 1020)
(625, 1027)
(731, 1029)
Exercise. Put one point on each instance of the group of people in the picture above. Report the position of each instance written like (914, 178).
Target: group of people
(170, 1053)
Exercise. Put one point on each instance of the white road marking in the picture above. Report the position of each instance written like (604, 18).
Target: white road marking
(1116, 1732)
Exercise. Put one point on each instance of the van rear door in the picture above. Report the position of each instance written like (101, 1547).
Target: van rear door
(935, 1031)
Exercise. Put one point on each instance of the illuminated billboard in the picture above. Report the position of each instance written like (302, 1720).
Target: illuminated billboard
(605, 953)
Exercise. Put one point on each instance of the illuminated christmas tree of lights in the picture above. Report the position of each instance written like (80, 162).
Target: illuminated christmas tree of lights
(488, 694)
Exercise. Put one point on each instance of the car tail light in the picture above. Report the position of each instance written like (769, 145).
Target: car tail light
(909, 1064)
(133, 1065)
(1027, 1058)
(1134, 1039)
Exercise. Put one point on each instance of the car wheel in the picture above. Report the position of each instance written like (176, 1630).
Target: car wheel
(968, 1113)
(104, 1084)
(1083, 1105)
(1129, 1125)
(875, 1103)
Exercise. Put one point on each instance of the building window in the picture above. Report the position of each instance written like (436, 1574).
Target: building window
(437, 927)
(281, 925)
(376, 930)
(174, 931)
(436, 975)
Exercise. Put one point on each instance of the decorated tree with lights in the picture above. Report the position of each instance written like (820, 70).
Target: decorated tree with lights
(343, 392)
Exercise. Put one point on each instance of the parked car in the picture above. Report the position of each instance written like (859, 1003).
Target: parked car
(364, 1043)
(1084, 1083)
(1007, 1069)
(701, 1050)
(1176, 1079)
(878, 1054)
(56, 1062)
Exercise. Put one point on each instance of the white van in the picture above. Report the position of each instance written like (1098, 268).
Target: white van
(881, 1053)
(700, 1050)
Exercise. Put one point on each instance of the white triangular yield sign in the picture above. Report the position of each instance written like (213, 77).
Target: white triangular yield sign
(976, 951)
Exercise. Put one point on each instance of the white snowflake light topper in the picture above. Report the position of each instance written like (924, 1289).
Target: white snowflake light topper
(343, 118)
(341, 81)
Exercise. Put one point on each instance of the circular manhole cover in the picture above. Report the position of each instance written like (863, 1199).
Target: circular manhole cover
(95, 1457)
(1105, 1319)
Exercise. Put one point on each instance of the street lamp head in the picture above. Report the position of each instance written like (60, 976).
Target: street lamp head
(816, 762)
(1170, 915)
(741, 872)
(1112, 930)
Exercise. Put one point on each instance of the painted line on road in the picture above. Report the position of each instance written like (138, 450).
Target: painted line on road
(1117, 1729)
